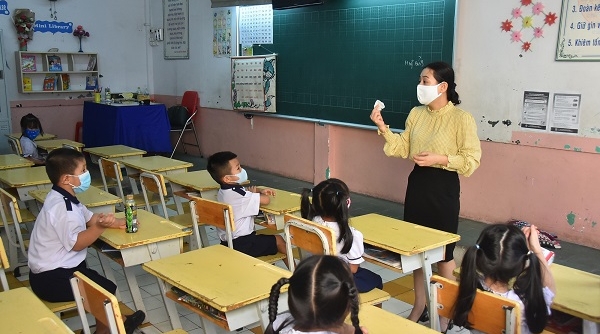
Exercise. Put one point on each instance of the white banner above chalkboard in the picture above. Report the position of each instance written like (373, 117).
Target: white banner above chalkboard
(579, 33)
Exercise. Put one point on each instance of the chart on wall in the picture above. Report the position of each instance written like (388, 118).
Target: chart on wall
(253, 83)
(579, 33)
(176, 23)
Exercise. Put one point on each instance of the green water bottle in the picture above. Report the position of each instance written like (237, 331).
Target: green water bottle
(130, 215)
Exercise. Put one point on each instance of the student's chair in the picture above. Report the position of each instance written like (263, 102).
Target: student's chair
(12, 219)
(182, 119)
(102, 304)
(219, 215)
(317, 239)
(4, 265)
(153, 185)
(490, 313)
(110, 170)
(15, 146)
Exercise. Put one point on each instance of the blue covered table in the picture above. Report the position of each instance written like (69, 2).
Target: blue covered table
(145, 127)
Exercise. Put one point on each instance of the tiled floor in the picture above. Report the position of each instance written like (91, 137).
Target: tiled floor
(398, 285)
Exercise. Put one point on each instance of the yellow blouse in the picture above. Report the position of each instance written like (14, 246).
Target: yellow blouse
(450, 131)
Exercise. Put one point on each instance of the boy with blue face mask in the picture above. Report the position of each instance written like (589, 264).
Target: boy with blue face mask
(225, 169)
(62, 232)
(31, 128)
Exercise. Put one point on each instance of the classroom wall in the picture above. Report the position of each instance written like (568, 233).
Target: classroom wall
(546, 179)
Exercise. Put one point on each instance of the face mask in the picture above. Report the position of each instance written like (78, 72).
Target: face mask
(85, 180)
(426, 94)
(32, 133)
(242, 176)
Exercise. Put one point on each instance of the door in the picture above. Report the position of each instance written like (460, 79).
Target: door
(4, 110)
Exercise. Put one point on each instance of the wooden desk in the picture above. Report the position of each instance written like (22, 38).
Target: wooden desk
(418, 246)
(114, 152)
(25, 180)
(198, 181)
(578, 294)
(156, 238)
(156, 164)
(10, 161)
(52, 144)
(227, 280)
(21, 311)
(282, 203)
(97, 200)
(45, 136)
(377, 321)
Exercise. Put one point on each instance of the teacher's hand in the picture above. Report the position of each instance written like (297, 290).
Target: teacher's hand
(378, 120)
(426, 159)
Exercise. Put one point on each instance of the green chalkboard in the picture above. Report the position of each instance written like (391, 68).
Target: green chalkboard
(334, 60)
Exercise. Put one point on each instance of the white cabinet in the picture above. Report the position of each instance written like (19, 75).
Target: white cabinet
(56, 72)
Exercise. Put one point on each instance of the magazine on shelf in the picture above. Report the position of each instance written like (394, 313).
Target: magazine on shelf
(91, 63)
(91, 82)
(383, 255)
(28, 63)
(49, 82)
(54, 63)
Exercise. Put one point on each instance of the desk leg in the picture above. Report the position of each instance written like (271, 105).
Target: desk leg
(131, 171)
(209, 327)
(108, 271)
(590, 327)
(426, 267)
(169, 305)
(134, 289)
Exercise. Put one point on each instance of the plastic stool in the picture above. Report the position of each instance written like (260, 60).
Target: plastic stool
(78, 130)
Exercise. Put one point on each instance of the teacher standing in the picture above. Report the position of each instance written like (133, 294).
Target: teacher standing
(442, 141)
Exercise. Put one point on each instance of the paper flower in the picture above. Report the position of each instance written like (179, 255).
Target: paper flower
(506, 25)
(526, 46)
(538, 32)
(526, 2)
(516, 36)
(538, 8)
(516, 13)
(527, 22)
(24, 20)
(80, 32)
(550, 18)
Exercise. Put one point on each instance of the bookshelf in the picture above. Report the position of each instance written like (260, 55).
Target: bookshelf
(56, 72)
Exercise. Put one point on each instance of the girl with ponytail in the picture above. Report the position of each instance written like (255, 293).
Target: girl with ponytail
(321, 293)
(503, 254)
(329, 207)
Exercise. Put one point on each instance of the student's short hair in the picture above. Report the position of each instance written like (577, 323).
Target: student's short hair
(62, 161)
(31, 121)
(218, 165)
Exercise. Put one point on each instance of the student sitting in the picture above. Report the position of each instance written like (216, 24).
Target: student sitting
(329, 207)
(63, 231)
(321, 293)
(31, 127)
(225, 169)
(503, 253)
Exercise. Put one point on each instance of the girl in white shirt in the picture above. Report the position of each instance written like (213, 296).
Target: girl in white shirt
(329, 207)
(504, 253)
(31, 128)
(321, 293)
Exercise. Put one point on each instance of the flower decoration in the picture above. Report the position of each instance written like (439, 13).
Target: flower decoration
(80, 32)
(529, 23)
(24, 19)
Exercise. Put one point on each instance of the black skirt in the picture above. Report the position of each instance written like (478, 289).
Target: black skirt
(433, 200)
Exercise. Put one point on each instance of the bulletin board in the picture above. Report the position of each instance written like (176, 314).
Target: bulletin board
(176, 28)
(336, 59)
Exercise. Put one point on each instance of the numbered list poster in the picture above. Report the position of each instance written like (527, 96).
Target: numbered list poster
(176, 22)
(579, 32)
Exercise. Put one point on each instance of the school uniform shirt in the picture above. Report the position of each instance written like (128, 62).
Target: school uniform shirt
(288, 329)
(29, 148)
(55, 232)
(354, 255)
(449, 131)
(245, 205)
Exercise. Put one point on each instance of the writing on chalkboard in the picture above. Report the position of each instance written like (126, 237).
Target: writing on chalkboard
(419, 62)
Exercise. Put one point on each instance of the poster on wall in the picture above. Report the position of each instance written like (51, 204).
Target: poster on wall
(253, 83)
(176, 28)
(579, 31)
(256, 25)
(535, 110)
(565, 113)
(222, 32)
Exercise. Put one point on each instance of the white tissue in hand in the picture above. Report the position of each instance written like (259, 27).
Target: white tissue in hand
(379, 105)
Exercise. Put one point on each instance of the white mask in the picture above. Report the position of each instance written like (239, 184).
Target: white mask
(426, 94)
(242, 177)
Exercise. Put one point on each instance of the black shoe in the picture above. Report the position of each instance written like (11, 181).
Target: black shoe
(134, 321)
(424, 316)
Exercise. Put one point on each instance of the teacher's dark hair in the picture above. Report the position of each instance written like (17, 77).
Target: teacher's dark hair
(442, 72)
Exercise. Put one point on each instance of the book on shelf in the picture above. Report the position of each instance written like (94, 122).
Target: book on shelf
(66, 81)
(28, 63)
(27, 84)
(49, 83)
(54, 63)
(91, 82)
(383, 255)
(190, 300)
(91, 63)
